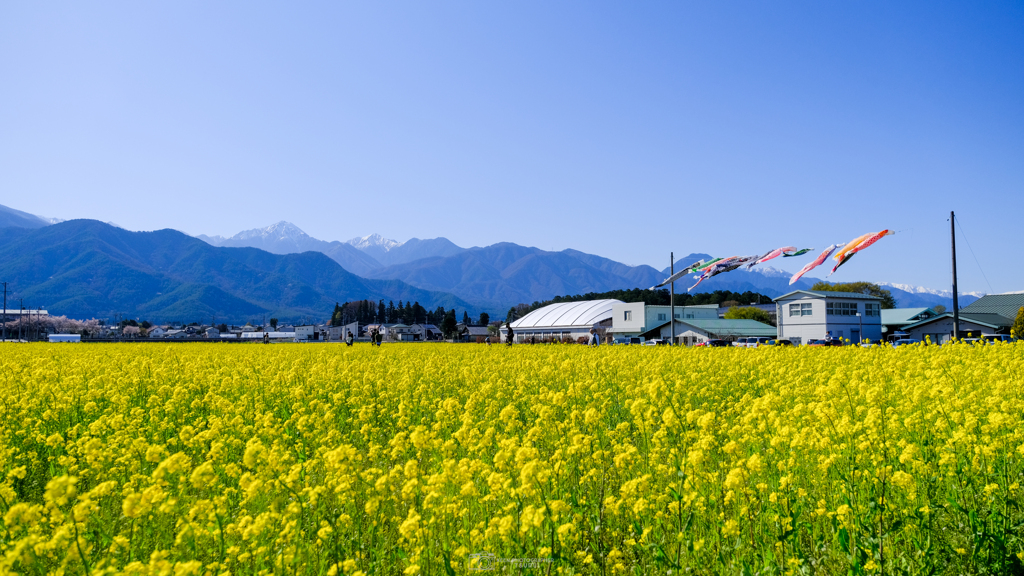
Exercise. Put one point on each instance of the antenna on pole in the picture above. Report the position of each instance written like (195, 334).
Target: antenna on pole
(5, 312)
(956, 303)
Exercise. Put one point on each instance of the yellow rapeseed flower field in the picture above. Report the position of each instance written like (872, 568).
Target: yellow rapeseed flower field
(441, 459)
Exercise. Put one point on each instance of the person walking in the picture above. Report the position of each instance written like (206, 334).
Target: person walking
(380, 337)
(594, 339)
(509, 334)
(349, 339)
(266, 338)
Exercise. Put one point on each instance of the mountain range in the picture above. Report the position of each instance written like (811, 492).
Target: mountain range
(85, 268)
(243, 274)
(504, 274)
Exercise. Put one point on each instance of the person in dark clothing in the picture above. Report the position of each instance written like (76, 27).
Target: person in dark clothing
(349, 339)
(266, 338)
(380, 337)
(509, 335)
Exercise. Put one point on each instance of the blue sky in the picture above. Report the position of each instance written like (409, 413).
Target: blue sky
(622, 129)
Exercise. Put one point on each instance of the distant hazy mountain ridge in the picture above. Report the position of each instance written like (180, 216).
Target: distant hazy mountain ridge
(12, 217)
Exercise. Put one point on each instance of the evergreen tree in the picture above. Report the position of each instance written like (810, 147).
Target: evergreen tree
(391, 315)
(419, 313)
(465, 318)
(400, 313)
(382, 312)
(1017, 330)
(449, 325)
(273, 324)
(485, 319)
(438, 316)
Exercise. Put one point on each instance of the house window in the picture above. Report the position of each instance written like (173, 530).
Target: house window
(841, 308)
(627, 315)
(803, 309)
(872, 309)
(677, 315)
(661, 317)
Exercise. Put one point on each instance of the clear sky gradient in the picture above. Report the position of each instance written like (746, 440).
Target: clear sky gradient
(622, 129)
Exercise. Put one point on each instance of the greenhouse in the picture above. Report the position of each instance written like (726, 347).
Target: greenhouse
(563, 322)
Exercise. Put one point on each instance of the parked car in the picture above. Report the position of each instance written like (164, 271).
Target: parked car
(904, 342)
(778, 343)
(753, 342)
(628, 340)
(834, 342)
(741, 342)
(656, 342)
(993, 338)
(715, 344)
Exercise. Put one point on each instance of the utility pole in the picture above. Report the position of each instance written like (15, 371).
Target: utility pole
(672, 298)
(956, 302)
(21, 317)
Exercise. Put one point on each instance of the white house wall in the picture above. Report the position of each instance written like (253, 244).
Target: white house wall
(635, 325)
(817, 324)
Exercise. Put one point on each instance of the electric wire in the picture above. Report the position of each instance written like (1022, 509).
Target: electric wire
(991, 291)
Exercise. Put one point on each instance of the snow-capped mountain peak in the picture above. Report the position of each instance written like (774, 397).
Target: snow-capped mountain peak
(932, 291)
(771, 271)
(374, 241)
(280, 231)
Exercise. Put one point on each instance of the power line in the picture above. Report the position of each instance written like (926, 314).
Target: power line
(990, 289)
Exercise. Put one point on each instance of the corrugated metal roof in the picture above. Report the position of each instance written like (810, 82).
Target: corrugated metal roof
(743, 327)
(567, 314)
(1005, 305)
(990, 320)
(722, 327)
(827, 294)
(900, 316)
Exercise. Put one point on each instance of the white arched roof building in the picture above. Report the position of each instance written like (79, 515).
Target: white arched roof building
(566, 320)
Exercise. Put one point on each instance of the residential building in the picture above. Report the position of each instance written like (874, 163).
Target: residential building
(308, 332)
(469, 333)
(991, 314)
(636, 318)
(336, 333)
(895, 319)
(811, 315)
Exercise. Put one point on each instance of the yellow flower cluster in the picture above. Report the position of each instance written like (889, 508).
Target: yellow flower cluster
(213, 458)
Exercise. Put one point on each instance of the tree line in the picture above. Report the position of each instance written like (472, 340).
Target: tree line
(655, 298)
(370, 312)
